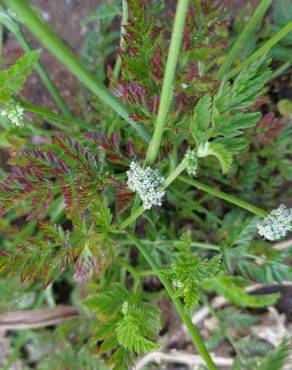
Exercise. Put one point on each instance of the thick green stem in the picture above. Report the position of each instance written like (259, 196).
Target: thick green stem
(66, 56)
(242, 39)
(139, 211)
(199, 344)
(229, 198)
(124, 21)
(56, 116)
(262, 50)
(169, 76)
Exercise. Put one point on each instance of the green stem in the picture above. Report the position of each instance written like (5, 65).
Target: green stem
(168, 80)
(133, 217)
(249, 28)
(124, 21)
(262, 50)
(174, 174)
(51, 87)
(229, 198)
(65, 55)
(199, 344)
(136, 277)
(279, 71)
(56, 116)
(139, 211)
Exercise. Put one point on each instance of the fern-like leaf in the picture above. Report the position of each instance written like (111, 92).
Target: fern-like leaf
(230, 287)
(278, 358)
(219, 120)
(188, 271)
(13, 78)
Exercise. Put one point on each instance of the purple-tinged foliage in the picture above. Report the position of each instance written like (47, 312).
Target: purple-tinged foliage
(46, 256)
(144, 56)
(72, 169)
(124, 198)
(86, 266)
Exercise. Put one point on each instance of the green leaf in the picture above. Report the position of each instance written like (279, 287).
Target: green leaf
(188, 271)
(129, 335)
(219, 151)
(110, 9)
(249, 83)
(108, 302)
(13, 78)
(247, 234)
(219, 121)
(202, 116)
(222, 98)
(237, 123)
(124, 321)
(276, 359)
(121, 359)
(229, 288)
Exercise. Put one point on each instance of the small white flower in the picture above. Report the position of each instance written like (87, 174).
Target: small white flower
(13, 112)
(146, 182)
(276, 224)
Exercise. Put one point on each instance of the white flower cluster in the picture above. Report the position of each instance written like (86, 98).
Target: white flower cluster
(277, 224)
(191, 159)
(146, 182)
(14, 112)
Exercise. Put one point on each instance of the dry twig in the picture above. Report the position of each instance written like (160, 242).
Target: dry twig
(37, 318)
(180, 358)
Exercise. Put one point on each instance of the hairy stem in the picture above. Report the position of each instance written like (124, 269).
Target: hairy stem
(168, 80)
(242, 39)
(125, 15)
(65, 55)
(199, 344)
(262, 50)
(229, 198)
